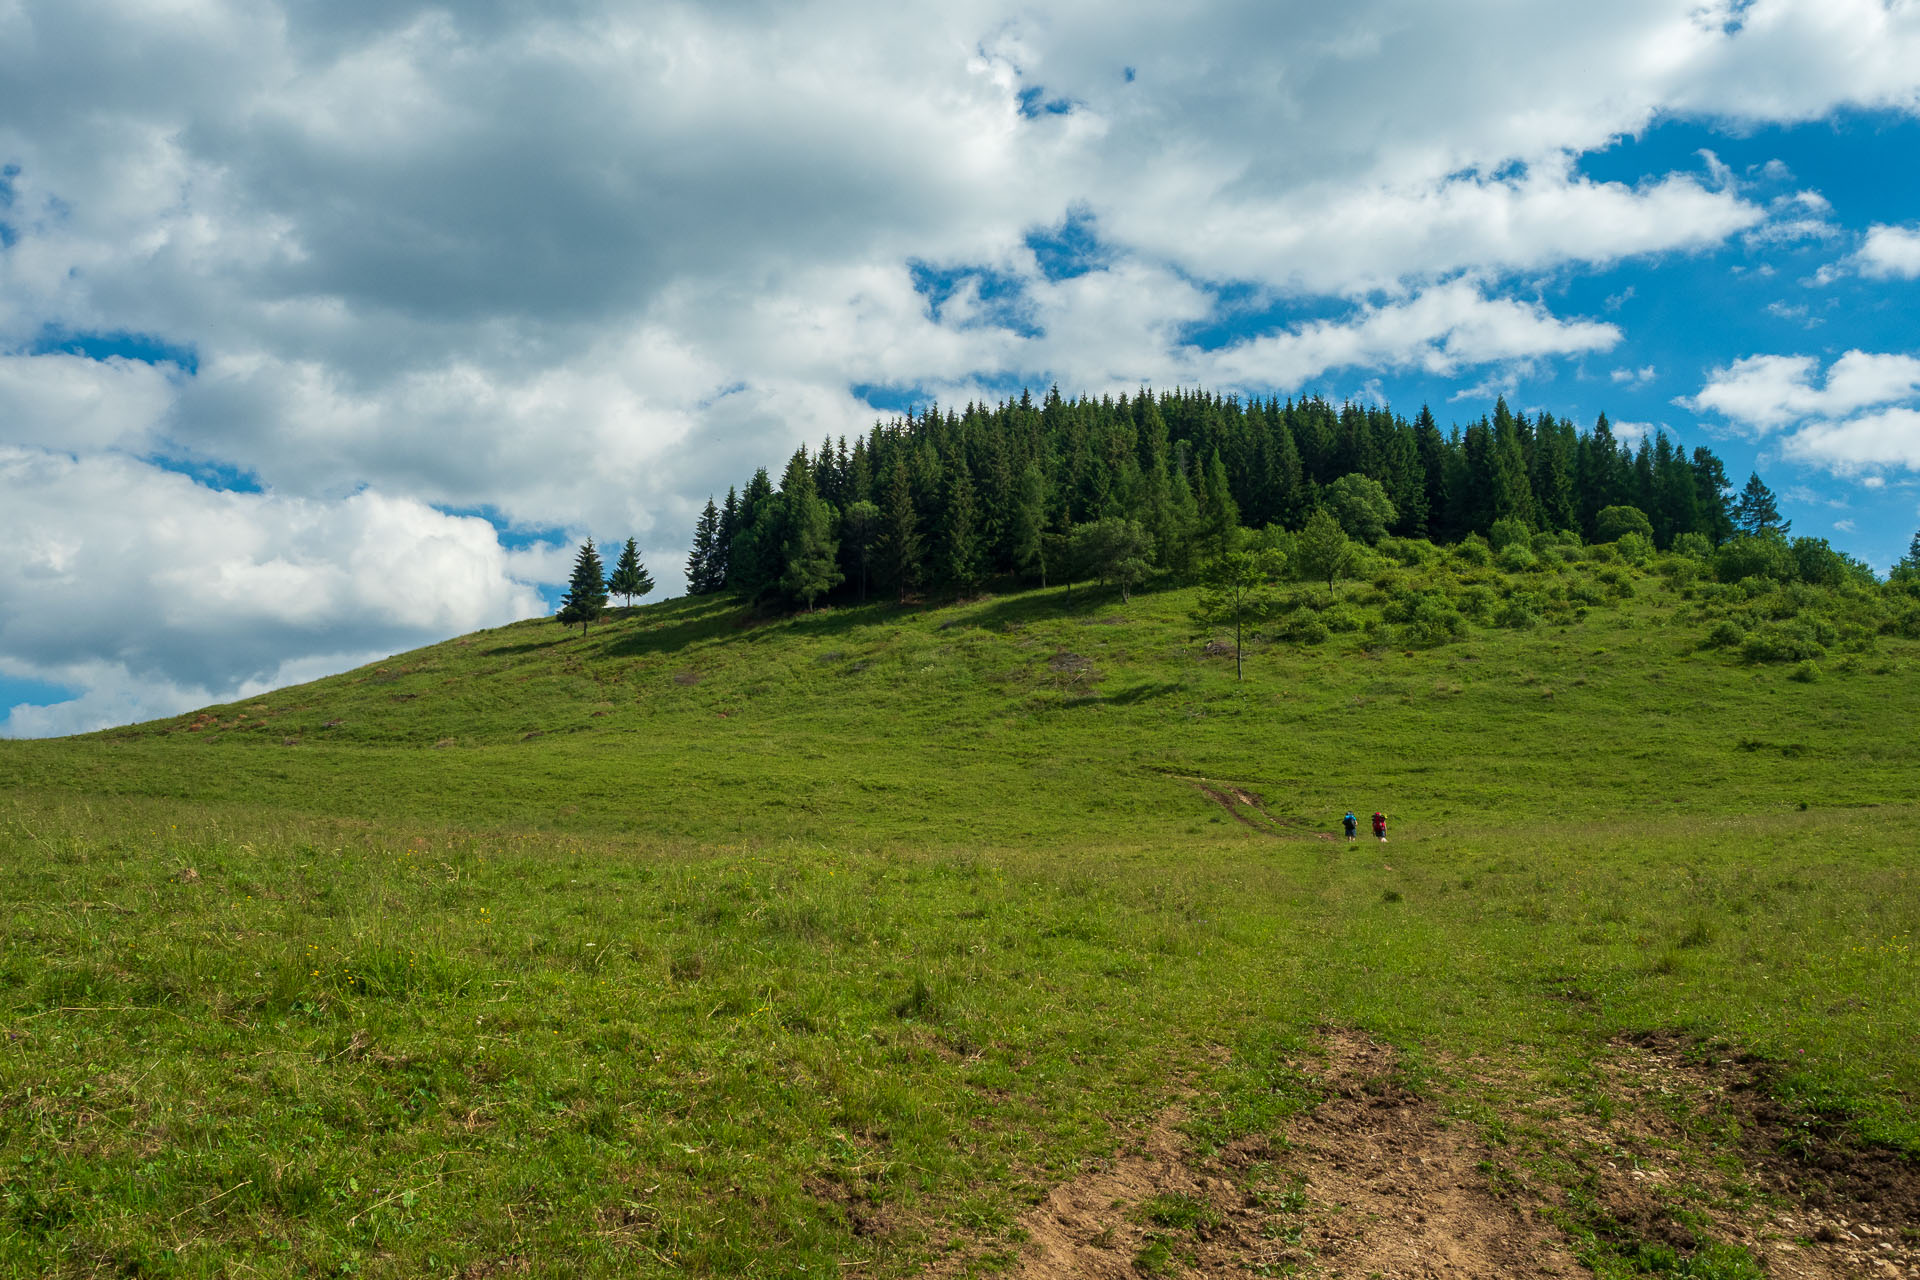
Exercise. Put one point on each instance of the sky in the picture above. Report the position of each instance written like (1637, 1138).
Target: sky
(329, 327)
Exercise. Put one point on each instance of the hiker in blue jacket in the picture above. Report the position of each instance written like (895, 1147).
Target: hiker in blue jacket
(1352, 825)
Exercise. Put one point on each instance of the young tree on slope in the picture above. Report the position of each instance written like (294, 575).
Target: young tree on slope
(1323, 549)
(1234, 594)
(630, 577)
(586, 598)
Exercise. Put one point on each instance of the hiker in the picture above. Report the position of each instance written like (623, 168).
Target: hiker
(1353, 827)
(1380, 825)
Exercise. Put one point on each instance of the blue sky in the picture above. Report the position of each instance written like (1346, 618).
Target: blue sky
(330, 330)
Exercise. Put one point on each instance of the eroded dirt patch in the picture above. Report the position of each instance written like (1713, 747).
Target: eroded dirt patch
(1373, 1182)
(1680, 1161)
(1695, 1147)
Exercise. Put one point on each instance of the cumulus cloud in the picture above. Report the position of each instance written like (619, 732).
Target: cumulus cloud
(1864, 414)
(572, 263)
(143, 587)
(1765, 393)
(1890, 253)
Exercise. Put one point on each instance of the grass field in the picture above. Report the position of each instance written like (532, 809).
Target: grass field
(829, 943)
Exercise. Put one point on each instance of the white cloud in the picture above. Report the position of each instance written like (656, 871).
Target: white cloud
(1885, 438)
(143, 587)
(1765, 393)
(1633, 377)
(1890, 253)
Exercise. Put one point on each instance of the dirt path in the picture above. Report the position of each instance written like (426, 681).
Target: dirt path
(1378, 1182)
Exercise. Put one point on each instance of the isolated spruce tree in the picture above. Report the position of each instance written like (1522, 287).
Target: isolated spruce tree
(1755, 512)
(702, 572)
(630, 577)
(586, 598)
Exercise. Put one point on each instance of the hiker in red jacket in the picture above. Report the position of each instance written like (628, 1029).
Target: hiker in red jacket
(1380, 826)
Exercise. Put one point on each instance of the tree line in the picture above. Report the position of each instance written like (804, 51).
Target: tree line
(1123, 488)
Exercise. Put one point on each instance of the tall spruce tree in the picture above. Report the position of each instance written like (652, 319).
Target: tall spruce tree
(586, 598)
(959, 534)
(701, 569)
(1219, 514)
(720, 564)
(801, 526)
(899, 533)
(630, 577)
(1756, 512)
(1028, 523)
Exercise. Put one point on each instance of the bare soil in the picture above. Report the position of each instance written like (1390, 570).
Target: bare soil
(1378, 1181)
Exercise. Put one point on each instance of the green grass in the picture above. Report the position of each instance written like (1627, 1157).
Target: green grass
(835, 939)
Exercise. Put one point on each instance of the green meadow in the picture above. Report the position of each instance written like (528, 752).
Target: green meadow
(704, 944)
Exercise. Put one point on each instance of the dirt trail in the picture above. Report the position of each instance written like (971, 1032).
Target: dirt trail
(1377, 1182)
(1372, 1183)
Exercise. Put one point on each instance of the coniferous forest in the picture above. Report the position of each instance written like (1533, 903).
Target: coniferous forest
(1127, 489)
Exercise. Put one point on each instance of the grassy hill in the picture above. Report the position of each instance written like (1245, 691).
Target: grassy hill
(708, 945)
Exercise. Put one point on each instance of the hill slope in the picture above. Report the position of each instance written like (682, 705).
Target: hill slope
(1026, 718)
(701, 946)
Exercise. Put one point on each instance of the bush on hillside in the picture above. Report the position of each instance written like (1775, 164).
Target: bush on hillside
(1614, 523)
(1696, 546)
(1783, 642)
(1744, 559)
(1634, 548)
(1473, 550)
(1519, 611)
(1726, 634)
(1425, 618)
(1515, 557)
(1506, 531)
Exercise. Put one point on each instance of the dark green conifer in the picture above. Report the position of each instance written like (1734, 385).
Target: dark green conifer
(700, 561)
(586, 598)
(899, 533)
(1755, 512)
(630, 577)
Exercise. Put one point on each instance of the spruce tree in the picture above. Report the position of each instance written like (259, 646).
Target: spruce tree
(700, 561)
(799, 529)
(630, 577)
(1908, 568)
(859, 527)
(719, 567)
(960, 537)
(1028, 523)
(1756, 513)
(900, 533)
(586, 598)
(1219, 516)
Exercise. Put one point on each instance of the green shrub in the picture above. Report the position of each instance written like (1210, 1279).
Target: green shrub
(1515, 557)
(1425, 618)
(1340, 618)
(1695, 546)
(1634, 548)
(1519, 611)
(1806, 673)
(1745, 559)
(1614, 523)
(1306, 628)
(1507, 531)
(1473, 551)
(1726, 634)
(1782, 642)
